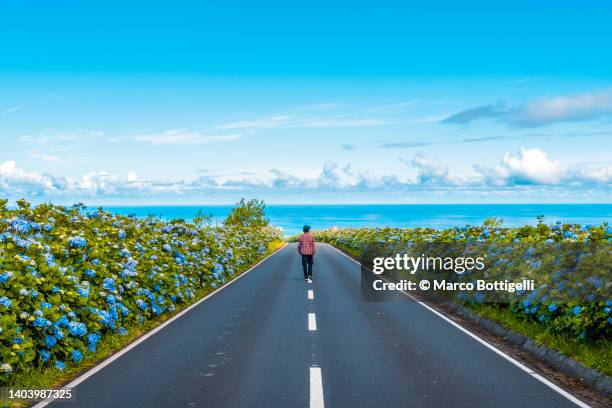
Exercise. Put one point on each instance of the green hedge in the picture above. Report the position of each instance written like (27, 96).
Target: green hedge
(561, 300)
(70, 276)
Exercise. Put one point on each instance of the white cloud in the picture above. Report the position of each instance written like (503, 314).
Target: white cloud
(430, 170)
(533, 166)
(566, 108)
(528, 170)
(183, 137)
(546, 111)
(17, 181)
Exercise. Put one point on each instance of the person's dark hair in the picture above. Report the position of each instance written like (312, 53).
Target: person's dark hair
(306, 228)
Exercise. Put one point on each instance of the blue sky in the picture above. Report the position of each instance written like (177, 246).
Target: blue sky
(206, 102)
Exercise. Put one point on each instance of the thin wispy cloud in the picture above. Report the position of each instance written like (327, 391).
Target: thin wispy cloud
(288, 121)
(404, 145)
(348, 146)
(263, 123)
(184, 137)
(483, 139)
(394, 108)
(529, 79)
(548, 111)
(9, 110)
(323, 106)
(47, 158)
(59, 139)
(425, 119)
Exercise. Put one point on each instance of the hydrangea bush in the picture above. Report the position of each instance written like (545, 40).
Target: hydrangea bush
(69, 276)
(575, 300)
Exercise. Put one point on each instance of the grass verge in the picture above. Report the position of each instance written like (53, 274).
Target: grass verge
(50, 377)
(593, 354)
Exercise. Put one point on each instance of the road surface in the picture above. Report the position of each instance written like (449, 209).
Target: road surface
(266, 341)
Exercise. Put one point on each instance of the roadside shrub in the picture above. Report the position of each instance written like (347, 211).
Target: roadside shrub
(69, 276)
(574, 300)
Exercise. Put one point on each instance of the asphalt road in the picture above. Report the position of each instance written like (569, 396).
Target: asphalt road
(254, 344)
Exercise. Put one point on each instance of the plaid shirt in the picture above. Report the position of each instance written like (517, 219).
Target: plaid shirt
(306, 244)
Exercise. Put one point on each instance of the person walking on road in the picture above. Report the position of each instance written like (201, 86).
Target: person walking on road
(306, 248)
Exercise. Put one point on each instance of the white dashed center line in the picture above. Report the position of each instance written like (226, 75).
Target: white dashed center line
(316, 388)
(312, 322)
(310, 294)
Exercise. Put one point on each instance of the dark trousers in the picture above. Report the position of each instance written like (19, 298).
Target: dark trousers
(307, 261)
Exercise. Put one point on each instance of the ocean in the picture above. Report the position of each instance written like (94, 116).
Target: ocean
(291, 218)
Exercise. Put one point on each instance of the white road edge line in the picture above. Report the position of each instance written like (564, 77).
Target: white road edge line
(312, 322)
(144, 337)
(490, 346)
(310, 294)
(316, 388)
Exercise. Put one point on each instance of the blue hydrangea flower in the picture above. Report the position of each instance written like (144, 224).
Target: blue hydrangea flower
(49, 259)
(44, 355)
(21, 226)
(552, 307)
(50, 341)
(6, 302)
(62, 321)
(576, 310)
(106, 318)
(83, 291)
(41, 322)
(22, 243)
(109, 284)
(77, 329)
(60, 365)
(77, 242)
(142, 305)
(76, 355)
(93, 338)
(157, 310)
(4, 277)
(58, 333)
